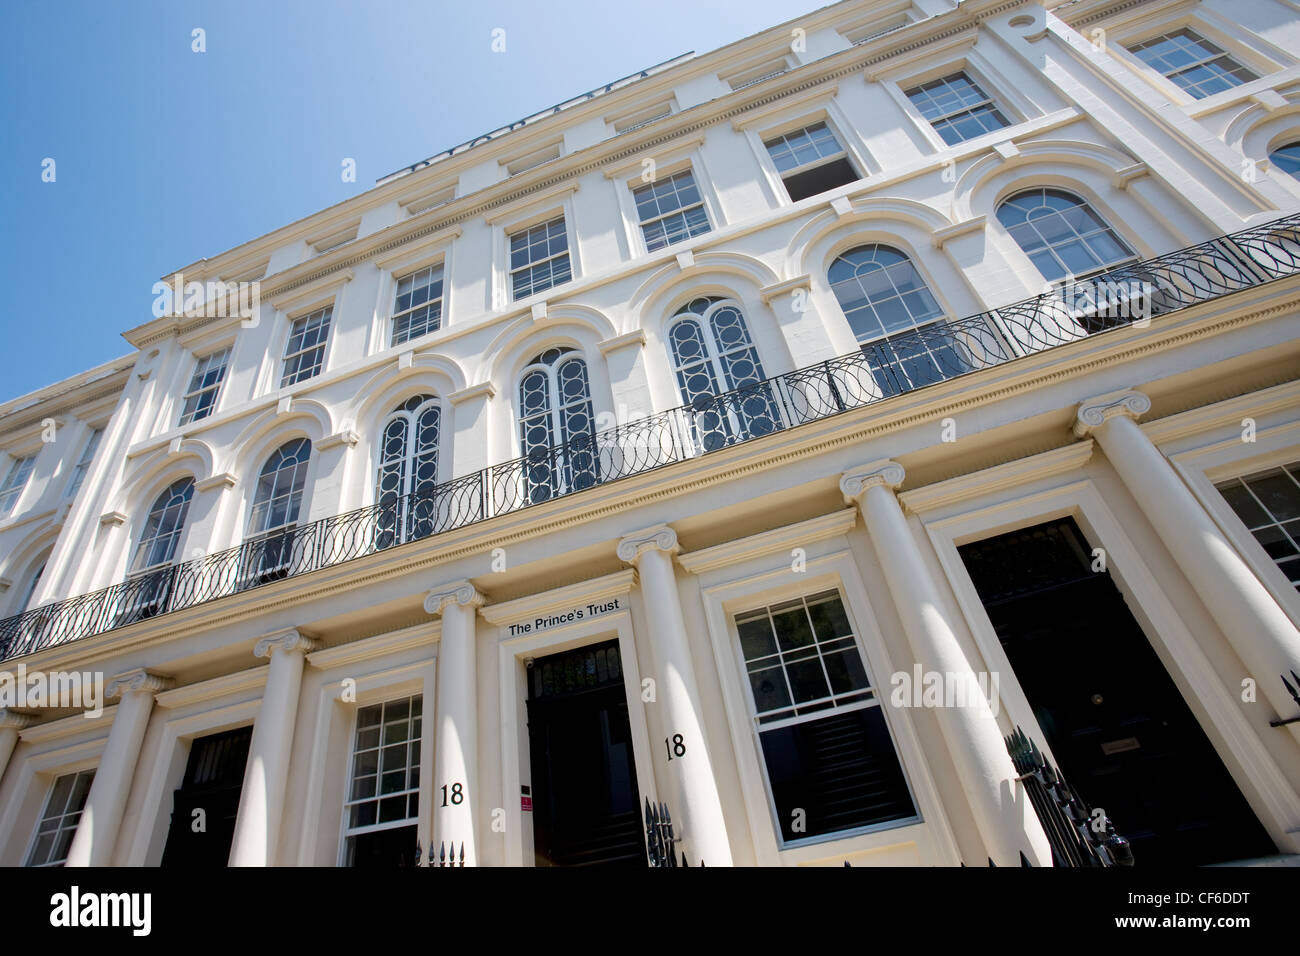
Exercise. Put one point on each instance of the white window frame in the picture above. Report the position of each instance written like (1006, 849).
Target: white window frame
(754, 571)
(13, 485)
(532, 264)
(435, 250)
(45, 815)
(306, 317)
(1016, 108)
(421, 798)
(204, 362)
(518, 216)
(441, 299)
(989, 100)
(681, 156)
(818, 105)
(702, 205)
(88, 451)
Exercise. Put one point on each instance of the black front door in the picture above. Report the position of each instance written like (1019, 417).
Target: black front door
(1125, 738)
(205, 806)
(585, 810)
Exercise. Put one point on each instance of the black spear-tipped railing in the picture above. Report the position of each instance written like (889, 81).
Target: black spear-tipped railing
(1078, 836)
(900, 363)
(659, 839)
(445, 857)
(1294, 690)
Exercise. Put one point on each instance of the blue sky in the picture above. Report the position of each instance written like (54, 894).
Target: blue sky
(163, 155)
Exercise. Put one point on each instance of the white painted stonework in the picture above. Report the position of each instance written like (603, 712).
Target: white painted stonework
(1129, 432)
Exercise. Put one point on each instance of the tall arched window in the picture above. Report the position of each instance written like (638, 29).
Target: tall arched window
(152, 571)
(162, 528)
(408, 471)
(1061, 233)
(557, 426)
(719, 373)
(276, 502)
(30, 592)
(897, 319)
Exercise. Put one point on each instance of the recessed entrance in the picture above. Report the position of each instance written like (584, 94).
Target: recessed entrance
(214, 778)
(585, 803)
(1125, 738)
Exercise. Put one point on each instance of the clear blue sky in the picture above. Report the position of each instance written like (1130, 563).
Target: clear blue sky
(164, 156)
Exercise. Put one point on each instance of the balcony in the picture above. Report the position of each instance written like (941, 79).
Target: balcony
(900, 363)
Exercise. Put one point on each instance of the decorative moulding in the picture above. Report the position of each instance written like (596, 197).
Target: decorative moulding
(1059, 461)
(290, 299)
(584, 592)
(635, 337)
(482, 390)
(287, 640)
(13, 720)
(1269, 99)
(855, 482)
(346, 437)
(521, 205)
(785, 288)
(112, 519)
(618, 170)
(539, 312)
(764, 114)
(1121, 178)
(220, 482)
(138, 681)
(1095, 412)
(685, 260)
(940, 237)
(218, 688)
(657, 538)
(842, 206)
(368, 648)
(791, 536)
(462, 593)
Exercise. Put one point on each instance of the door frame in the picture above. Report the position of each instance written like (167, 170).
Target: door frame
(991, 504)
(512, 654)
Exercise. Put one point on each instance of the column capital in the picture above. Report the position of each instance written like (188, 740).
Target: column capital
(1095, 412)
(885, 472)
(461, 593)
(138, 681)
(287, 640)
(13, 720)
(657, 538)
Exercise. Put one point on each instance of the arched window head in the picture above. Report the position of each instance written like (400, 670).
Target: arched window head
(1061, 233)
(1287, 159)
(32, 584)
(162, 528)
(719, 373)
(279, 487)
(408, 470)
(881, 292)
(897, 319)
(557, 424)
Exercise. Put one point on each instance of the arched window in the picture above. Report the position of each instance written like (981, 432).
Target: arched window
(897, 319)
(30, 592)
(276, 502)
(408, 471)
(719, 373)
(162, 529)
(149, 581)
(557, 426)
(1061, 233)
(1287, 159)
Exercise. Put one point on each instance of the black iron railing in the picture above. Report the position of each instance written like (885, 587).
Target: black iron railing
(903, 362)
(1079, 836)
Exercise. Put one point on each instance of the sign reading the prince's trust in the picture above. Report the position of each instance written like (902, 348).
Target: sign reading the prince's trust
(545, 622)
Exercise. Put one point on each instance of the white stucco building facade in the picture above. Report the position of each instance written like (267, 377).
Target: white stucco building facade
(658, 448)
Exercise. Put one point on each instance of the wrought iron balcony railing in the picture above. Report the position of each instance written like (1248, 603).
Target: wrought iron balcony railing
(899, 363)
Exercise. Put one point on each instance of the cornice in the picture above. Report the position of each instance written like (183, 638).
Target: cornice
(217, 688)
(424, 635)
(1017, 473)
(70, 726)
(597, 589)
(1284, 397)
(801, 534)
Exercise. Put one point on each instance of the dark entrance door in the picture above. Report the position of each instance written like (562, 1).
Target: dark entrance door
(585, 810)
(214, 777)
(1125, 738)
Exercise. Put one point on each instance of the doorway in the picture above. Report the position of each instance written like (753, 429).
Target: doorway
(585, 797)
(209, 792)
(1125, 739)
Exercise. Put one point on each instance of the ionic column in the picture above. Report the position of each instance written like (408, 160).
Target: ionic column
(92, 845)
(261, 802)
(11, 722)
(1256, 627)
(695, 800)
(1007, 822)
(455, 748)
